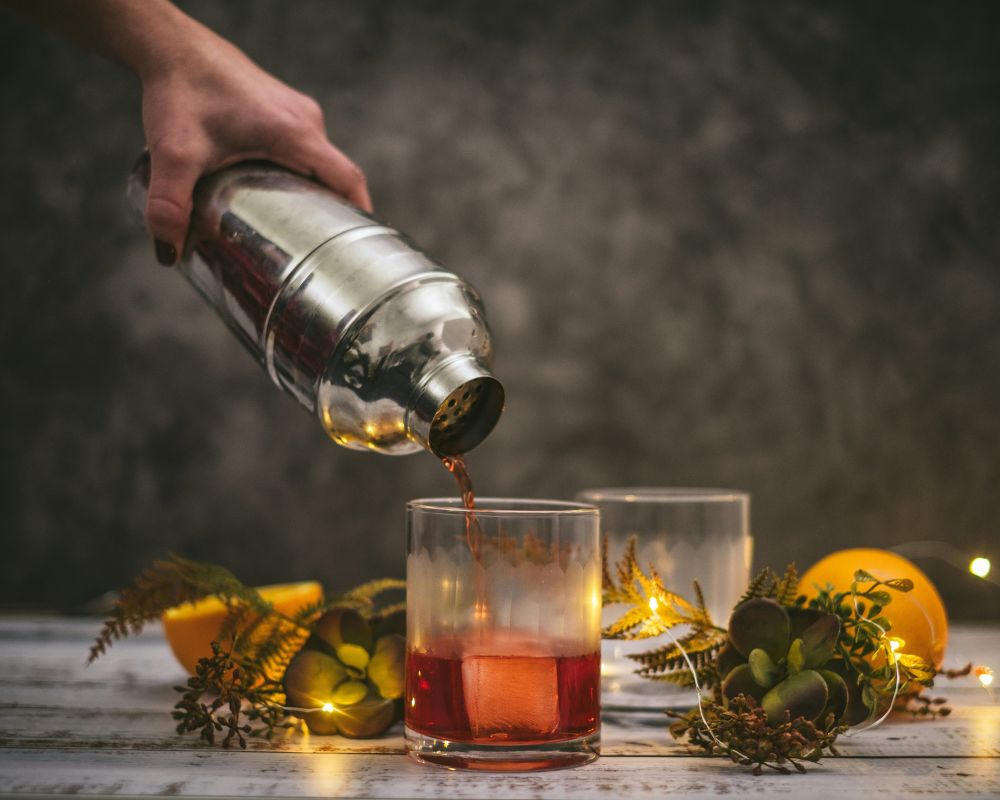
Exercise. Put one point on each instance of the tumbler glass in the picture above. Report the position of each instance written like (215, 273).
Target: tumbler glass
(503, 613)
(686, 534)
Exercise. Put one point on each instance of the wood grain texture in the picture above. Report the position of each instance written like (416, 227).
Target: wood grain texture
(105, 730)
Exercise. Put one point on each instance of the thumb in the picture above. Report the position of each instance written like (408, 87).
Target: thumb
(168, 204)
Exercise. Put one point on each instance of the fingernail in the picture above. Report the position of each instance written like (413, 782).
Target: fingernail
(166, 253)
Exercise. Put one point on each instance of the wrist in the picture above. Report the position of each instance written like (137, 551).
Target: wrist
(161, 47)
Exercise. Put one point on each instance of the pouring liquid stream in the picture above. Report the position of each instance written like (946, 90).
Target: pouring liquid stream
(456, 466)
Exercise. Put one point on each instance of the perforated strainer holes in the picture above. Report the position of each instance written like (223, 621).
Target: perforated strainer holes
(455, 411)
(466, 416)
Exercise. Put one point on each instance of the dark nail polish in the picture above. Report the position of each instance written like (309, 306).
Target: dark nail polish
(166, 253)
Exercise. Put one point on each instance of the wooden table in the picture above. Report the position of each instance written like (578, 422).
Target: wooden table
(106, 730)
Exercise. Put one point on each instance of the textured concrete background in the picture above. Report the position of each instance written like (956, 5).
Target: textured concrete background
(738, 244)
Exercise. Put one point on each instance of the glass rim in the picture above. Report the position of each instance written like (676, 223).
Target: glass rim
(662, 494)
(504, 507)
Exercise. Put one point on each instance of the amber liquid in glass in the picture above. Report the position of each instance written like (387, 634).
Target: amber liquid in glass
(506, 699)
(505, 690)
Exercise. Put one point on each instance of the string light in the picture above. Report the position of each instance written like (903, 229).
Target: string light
(980, 566)
(326, 708)
(894, 643)
(985, 675)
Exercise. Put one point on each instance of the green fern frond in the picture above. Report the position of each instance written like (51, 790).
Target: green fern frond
(628, 564)
(670, 657)
(607, 582)
(236, 618)
(164, 585)
(393, 608)
(760, 586)
(675, 670)
(787, 588)
(631, 619)
(367, 592)
(707, 677)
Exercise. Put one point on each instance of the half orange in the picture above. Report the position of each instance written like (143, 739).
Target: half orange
(192, 627)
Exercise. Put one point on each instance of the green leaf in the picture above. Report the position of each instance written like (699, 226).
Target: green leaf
(349, 692)
(861, 576)
(900, 584)
(819, 641)
(837, 695)
(880, 597)
(741, 681)
(762, 623)
(310, 677)
(802, 695)
(882, 622)
(795, 658)
(340, 626)
(869, 698)
(762, 668)
(353, 655)
(386, 667)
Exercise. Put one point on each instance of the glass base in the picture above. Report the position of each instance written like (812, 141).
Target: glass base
(503, 758)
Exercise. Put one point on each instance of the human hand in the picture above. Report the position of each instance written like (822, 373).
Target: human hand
(207, 106)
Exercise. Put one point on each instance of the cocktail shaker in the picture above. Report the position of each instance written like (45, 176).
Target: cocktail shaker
(388, 349)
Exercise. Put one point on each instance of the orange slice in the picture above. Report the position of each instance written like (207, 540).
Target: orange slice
(191, 628)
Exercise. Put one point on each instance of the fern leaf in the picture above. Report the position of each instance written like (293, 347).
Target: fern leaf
(759, 586)
(670, 656)
(631, 619)
(166, 584)
(607, 582)
(367, 592)
(392, 608)
(628, 565)
(788, 587)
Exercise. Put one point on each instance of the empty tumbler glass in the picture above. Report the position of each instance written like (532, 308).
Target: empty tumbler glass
(686, 534)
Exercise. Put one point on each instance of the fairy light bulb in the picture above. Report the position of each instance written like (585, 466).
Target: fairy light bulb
(327, 707)
(653, 604)
(980, 566)
(985, 675)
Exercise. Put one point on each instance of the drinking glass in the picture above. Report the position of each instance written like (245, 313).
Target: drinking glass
(686, 534)
(503, 614)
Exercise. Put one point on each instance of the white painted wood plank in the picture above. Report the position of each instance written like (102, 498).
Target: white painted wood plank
(967, 733)
(106, 729)
(215, 773)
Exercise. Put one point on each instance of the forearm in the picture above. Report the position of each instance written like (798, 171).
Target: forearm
(147, 36)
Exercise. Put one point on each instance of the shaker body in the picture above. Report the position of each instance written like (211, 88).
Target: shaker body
(389, 350)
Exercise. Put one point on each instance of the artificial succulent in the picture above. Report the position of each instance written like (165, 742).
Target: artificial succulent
(353, 664)
(783, 658)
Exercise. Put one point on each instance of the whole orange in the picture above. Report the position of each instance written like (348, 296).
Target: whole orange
(191, 628)
(918, 617)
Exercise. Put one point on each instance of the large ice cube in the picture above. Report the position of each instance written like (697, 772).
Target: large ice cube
(511, 692)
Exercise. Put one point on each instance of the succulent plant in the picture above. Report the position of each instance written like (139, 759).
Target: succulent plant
(783, 658)
(353, 664)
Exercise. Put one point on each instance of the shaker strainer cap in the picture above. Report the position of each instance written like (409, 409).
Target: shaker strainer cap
(457, 406)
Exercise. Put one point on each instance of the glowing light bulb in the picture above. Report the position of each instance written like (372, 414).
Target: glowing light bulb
(653, 604)
(413, 702)
(328, 707)
(985, 675)
(895, 643)
(980, 566)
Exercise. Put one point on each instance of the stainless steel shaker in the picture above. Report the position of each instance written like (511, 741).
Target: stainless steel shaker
(388, 349)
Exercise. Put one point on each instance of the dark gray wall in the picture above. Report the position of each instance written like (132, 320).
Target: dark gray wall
(740, 244)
